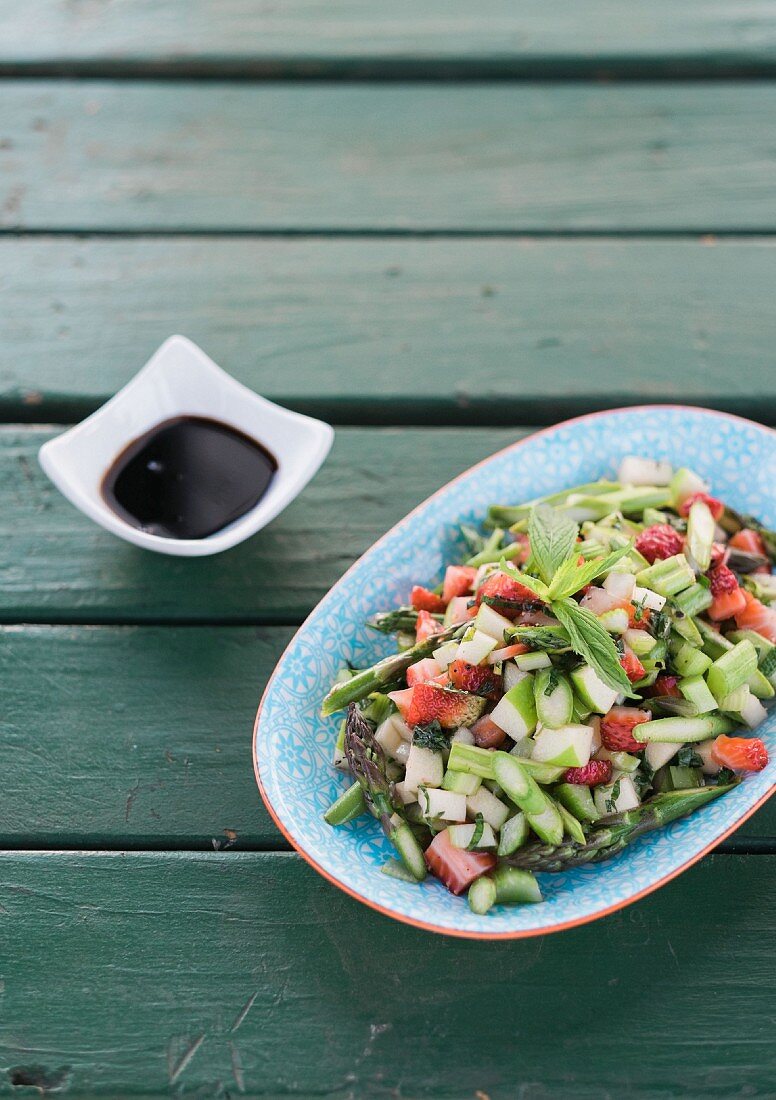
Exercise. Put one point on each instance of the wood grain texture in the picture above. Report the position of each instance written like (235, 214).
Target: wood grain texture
(238, 974)
(126, 737)
(397, 331)
(315, 37)
(141, 737)
(56, 565)
(428, 157)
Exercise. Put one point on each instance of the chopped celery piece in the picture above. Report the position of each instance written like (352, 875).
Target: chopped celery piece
(461, 782)
(732, 669)
(696, 691)
(689, 661)
(687, 628)
(713, 643)
(694, 599)
(760, 686)
(667, 577)
(683, 484)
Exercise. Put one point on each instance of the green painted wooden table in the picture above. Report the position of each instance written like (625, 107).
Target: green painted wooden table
(440, 226)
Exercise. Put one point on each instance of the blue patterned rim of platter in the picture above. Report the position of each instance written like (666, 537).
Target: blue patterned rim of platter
(293, 745)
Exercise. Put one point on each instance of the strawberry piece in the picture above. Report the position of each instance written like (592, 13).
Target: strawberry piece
(658, 542)
(459, 580)
(426, 626)
(499, 586)
(450, 708)
(756, 616)
(402, 699)
(460, 609)
(456, 868)
(749, 541)
(593, 773)
(741, 754)
(617, 729)
(666, 684)
(719, 554)
(634, 669)
(716, 507)
(525, 548)
(422, 671)
(728, 598)
(423, 599)
(481, 679)
(487, 735)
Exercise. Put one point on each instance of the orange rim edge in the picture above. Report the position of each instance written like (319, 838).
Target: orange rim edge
(518, 934)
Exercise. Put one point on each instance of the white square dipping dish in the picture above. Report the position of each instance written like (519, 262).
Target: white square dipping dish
(181, 380)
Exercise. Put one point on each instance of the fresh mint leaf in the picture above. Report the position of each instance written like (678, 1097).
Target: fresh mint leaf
(552, 639)
(552, 681)
(479, 829)
(570, 577)
(590, 641)
(611, 801)
(539, 588)
(430, 736)
(553, 536)
(687, 757)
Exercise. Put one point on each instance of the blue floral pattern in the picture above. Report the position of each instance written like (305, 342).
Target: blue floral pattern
(294, 744)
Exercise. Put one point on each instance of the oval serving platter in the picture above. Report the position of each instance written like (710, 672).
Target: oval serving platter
(293, 744)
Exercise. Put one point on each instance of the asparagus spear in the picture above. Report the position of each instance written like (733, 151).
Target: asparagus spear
(384, 672)
(611, 834)
(400, 620)
(367, 763)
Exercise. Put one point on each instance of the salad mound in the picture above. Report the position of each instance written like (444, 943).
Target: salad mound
(592, 671)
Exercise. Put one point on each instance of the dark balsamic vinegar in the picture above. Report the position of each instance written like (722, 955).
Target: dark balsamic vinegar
(188, 478)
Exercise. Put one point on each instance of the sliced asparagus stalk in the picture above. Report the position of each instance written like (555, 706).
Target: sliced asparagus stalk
(611, 834)
(366, 681)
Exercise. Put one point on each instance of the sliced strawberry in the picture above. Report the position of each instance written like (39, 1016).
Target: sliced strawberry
(749, 541)
(742, 754)
(487, 735)
(617, 729)
(455, 867)
(426, 626)
(716, 507)
(658, 542)
(500, 587)
(719, 554)
(422, 671)
(402, 699)
(634, 669)
(458, 581)
(480, 679)
(727, 597)
(593, 773)
(423, 599)
(450, 708)
(756, 616)
(525, 549)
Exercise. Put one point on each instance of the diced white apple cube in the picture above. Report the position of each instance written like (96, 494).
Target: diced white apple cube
(591, 689)
(424, 768)
(658, 753)
(493, 810)
(515, 712)
(461, 836)
(388, 737)
(568, 746)
(443, 804)
(463, 734)
(703, 749)
(753, 712)
(490, 622)
(627, 797)
(620, 585)
(446, 654)
(475, 647)
(404, 795)
(645, 596)
(512, 675)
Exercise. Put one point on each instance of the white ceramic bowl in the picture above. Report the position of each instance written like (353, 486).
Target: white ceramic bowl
(180, 380)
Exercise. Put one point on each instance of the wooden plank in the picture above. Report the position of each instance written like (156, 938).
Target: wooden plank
(232, 974)
(318, 37)
(399, 157)
(56, 565)
(397, 331)
(139, 737)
